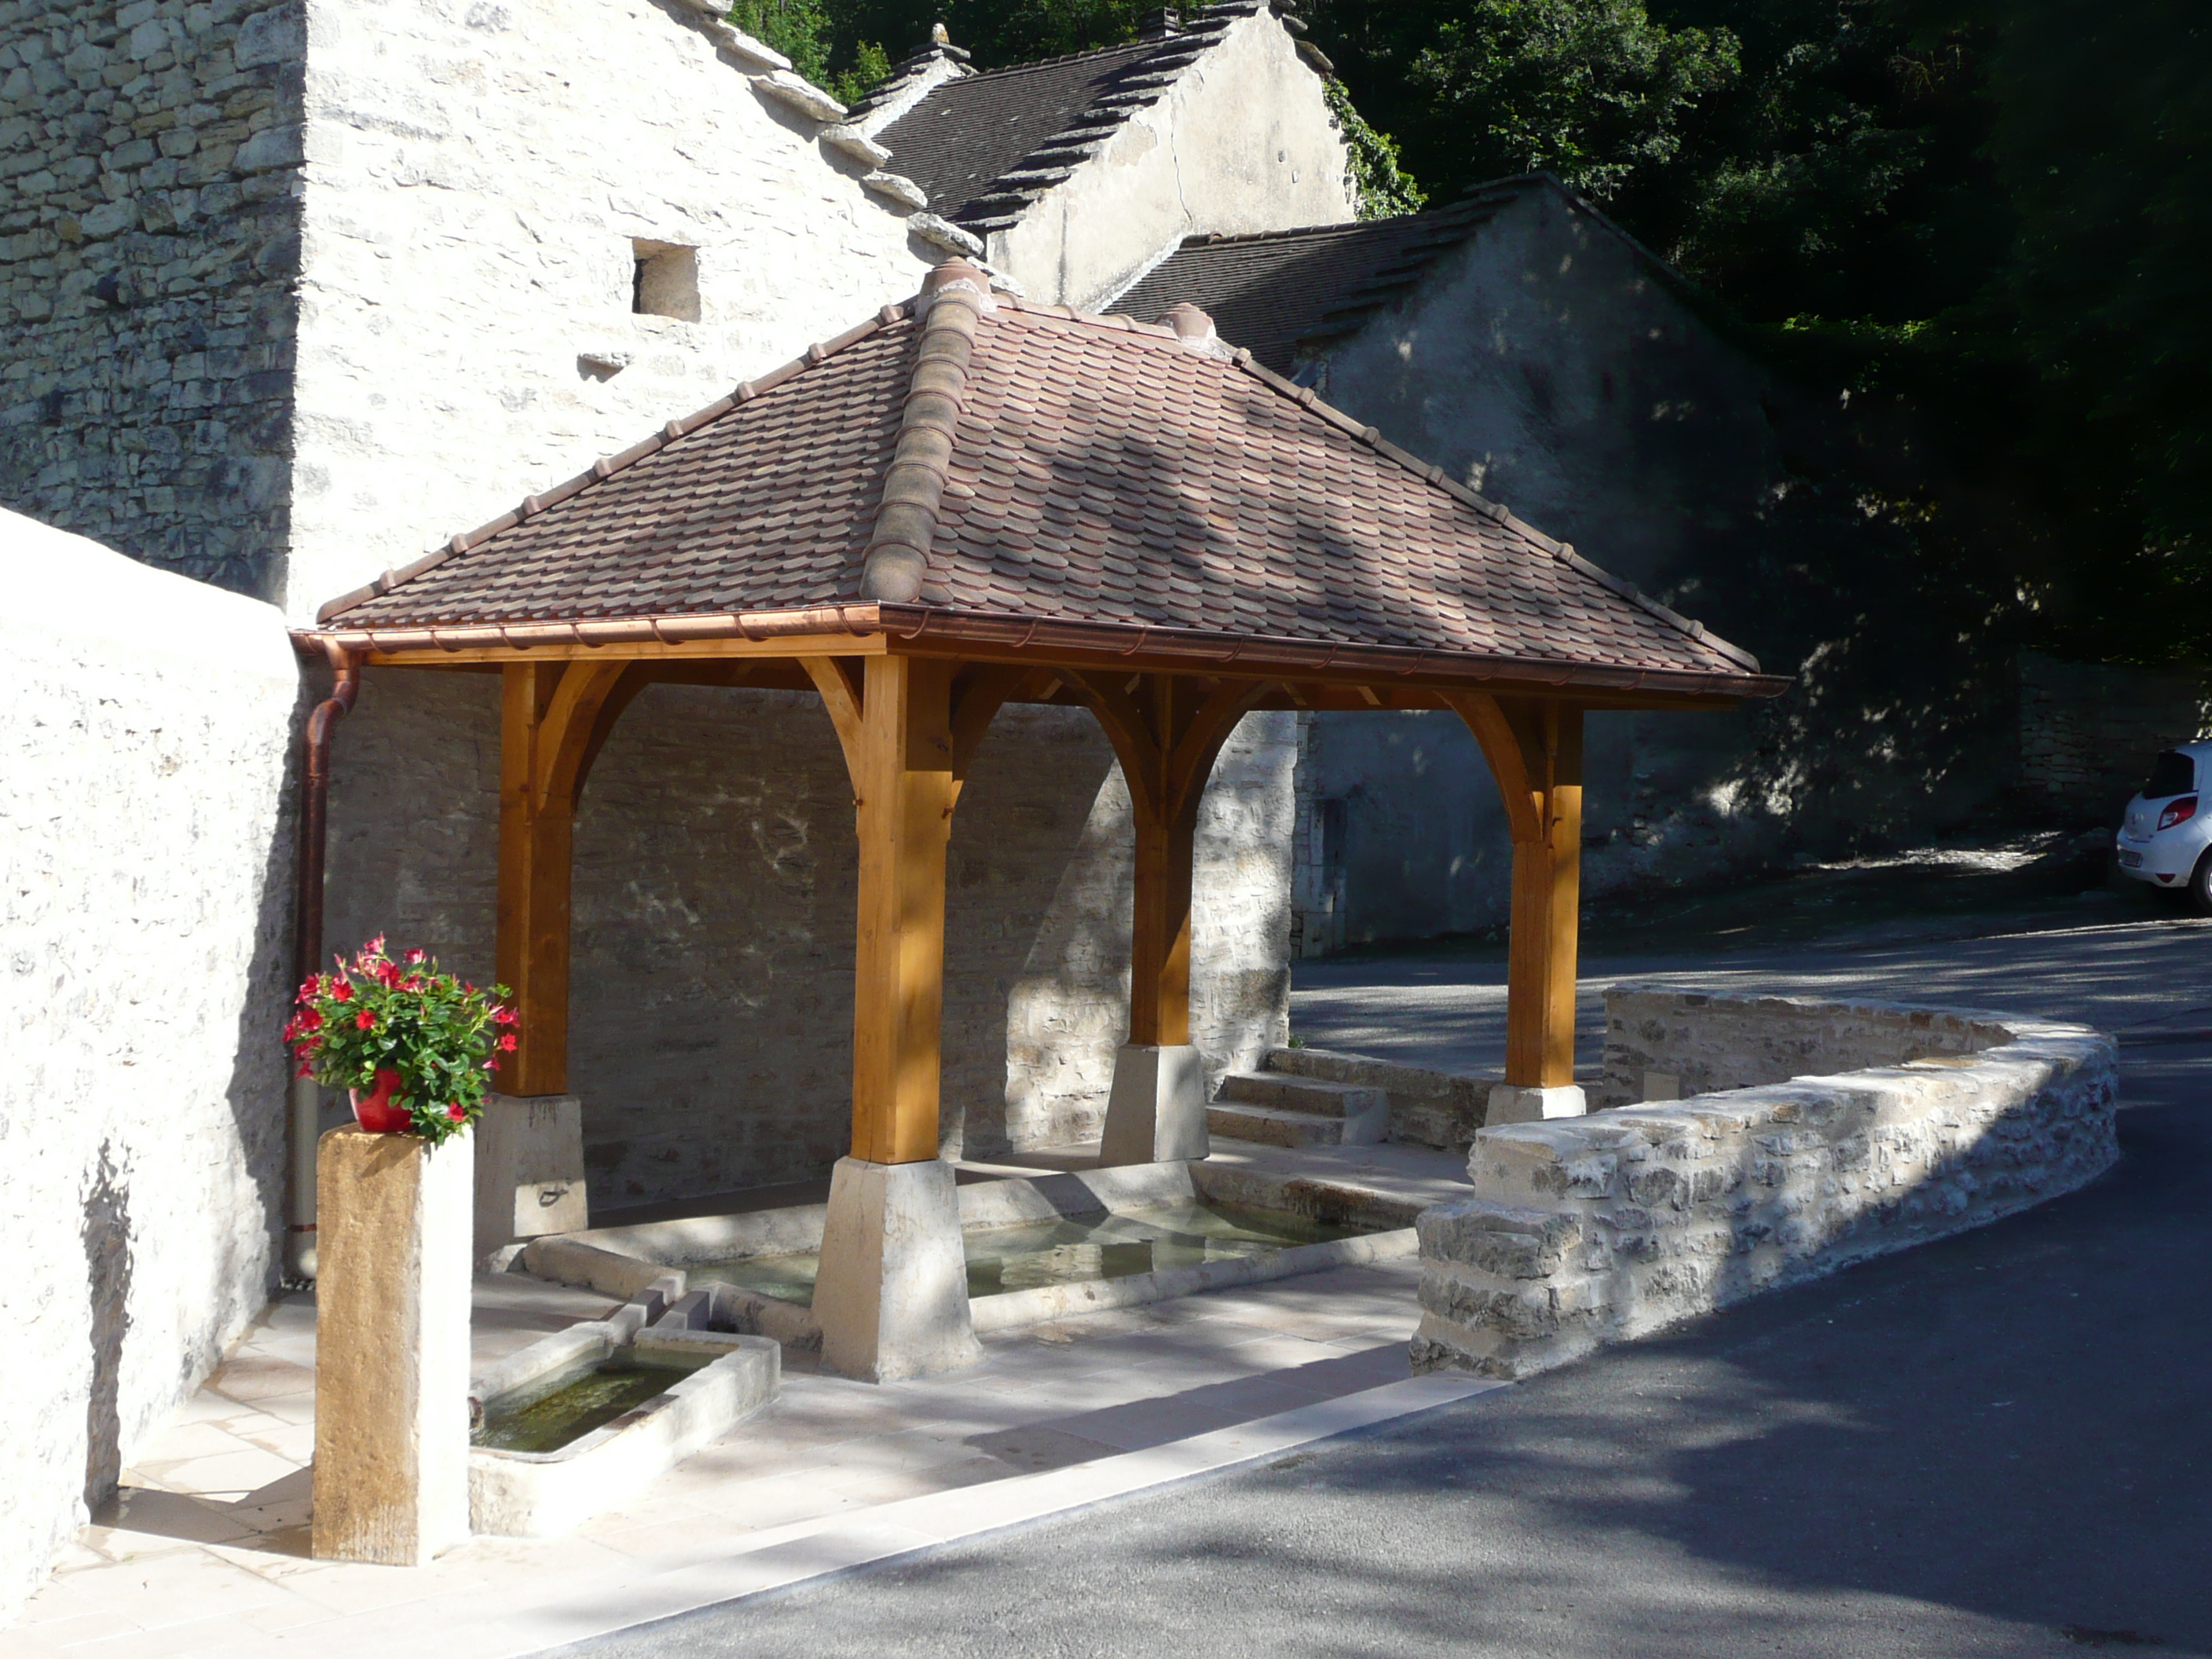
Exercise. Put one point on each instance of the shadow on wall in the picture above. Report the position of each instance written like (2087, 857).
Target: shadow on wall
(106, 1236)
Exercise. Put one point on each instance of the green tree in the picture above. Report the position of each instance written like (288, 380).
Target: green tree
(1592, 90)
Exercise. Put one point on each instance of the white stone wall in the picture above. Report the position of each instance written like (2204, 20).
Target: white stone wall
(145, 727)
(1243, 141)
(1597, 1228)
(476, 176)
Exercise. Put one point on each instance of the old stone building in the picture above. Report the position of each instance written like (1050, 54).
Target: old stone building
(294, 292)
(1532, 348)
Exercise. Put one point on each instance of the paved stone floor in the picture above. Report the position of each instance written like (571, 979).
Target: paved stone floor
(205, 1550)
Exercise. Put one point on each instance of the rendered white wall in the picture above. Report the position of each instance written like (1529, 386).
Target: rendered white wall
(145, 725)
(1243, 141)
(475, 177)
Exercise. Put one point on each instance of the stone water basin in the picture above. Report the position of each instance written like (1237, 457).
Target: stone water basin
(1069, 1250)
(1039, 1248)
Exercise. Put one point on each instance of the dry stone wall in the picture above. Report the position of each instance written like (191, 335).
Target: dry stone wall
(147, 722)
(1706, 1044)
(1586, 1230)
(712, 1011)
(148, 240)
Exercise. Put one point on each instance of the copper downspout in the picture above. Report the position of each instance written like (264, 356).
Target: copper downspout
(308, 955)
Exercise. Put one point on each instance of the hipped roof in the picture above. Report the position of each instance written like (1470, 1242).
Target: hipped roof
(1103, 476)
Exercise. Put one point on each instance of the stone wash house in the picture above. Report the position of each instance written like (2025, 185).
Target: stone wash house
(1540, 355)
(294, 292)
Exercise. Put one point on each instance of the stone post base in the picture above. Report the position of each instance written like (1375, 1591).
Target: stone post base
(391, 1347)
(1156, 1112)
(892, 1297)
(1509, 1104)
(529, 1168)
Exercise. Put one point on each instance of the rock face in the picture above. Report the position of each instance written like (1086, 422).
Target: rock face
(1599, 1229)
(146, 722)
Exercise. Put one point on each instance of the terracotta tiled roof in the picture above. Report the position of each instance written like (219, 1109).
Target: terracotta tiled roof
(983, 147)
(1064, 469)
(1278, 291)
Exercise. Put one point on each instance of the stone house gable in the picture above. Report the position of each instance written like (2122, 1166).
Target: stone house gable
(1072, 174)
(1541, 354)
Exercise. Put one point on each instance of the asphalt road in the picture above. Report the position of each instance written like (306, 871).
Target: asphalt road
(1994, 1445)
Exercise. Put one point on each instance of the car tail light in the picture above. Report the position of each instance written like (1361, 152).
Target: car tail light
(2178, 811)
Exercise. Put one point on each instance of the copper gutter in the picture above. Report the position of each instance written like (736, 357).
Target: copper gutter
(308, 952)
(1256, 656)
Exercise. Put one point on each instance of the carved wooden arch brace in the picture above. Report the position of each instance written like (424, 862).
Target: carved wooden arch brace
(1167, 731)
(909, 727)
(554, 717)
(1534, 748)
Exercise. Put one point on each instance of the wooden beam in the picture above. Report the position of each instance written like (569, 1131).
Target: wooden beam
(1536, 752)
(898, 747)
(550, 730)
(1167, 734)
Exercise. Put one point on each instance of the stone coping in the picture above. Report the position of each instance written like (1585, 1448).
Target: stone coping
(1596, 1229)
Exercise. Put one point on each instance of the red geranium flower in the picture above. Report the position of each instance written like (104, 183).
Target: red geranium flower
(503, 1016)
(507, 1041)
(342, 990)
(364, 1019)
(455, 1112)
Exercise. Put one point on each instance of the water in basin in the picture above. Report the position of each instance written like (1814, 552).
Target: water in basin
(1068, 1252)
(554, 1411)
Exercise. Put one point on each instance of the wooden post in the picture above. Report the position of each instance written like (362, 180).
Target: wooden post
(1167, 744)
(553, 717)
(1534, 748)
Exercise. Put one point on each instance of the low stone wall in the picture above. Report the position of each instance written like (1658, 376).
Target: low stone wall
(1696, 1044)
(1594, 1229)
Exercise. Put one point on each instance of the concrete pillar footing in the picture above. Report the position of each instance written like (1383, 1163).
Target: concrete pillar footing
(1510, 1103)
(891, 1295)
(1156, 1112)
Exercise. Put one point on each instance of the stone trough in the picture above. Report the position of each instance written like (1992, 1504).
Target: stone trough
(632, 1260)
(715, 1381)
(1817, 1134)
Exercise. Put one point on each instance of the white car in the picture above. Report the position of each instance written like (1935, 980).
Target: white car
(2167, 837)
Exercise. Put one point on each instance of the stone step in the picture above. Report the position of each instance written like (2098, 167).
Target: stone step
(1271, 1128)
(1288, 1092)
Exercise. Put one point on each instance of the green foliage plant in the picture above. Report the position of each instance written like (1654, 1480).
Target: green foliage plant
(1374, 170)
(1592, 90)
(441, 1034)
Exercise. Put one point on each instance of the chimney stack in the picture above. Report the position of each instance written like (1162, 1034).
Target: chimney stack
(1160, 24)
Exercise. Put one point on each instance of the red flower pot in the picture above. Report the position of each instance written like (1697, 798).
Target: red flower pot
(375, 1113)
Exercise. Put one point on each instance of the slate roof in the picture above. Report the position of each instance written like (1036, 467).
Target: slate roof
(1101, 471)
(1281, 294)
(984, 146)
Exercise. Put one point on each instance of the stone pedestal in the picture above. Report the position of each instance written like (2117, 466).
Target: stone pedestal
(1157, 1111)
(529, 1168)
(391, 1346)
(892, 1297)
(1509, 1104)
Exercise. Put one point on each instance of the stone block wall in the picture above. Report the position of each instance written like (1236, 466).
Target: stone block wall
(147, 724)
(2087, 730)
(711, 987)
(1594, 1229)
(1708, 1042)
(149, 239)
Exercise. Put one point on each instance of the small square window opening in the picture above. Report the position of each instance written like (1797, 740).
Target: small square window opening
(665, 280)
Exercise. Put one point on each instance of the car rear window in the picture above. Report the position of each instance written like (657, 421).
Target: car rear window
(2171, 773)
